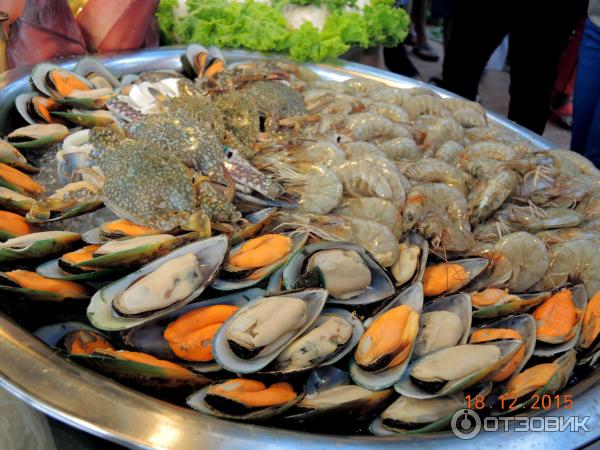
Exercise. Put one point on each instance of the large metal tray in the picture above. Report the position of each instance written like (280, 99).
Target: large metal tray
(91, 402)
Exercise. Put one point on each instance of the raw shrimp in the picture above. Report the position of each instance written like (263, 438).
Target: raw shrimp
(394, 113)
(380, 166)
(419, 105)
(566, 191)
(401, 148)
(437, 131)
(481, 168)
(440, 213)
(321, 152)
(317, 187)
(542, 177)
(492, 230)
(360, 87)
(449, 152)
(432, 170)
(528, 259)
(490, 150)
(576, 261)
(467, 114)
(556, 236)
(490, 195)
(361, 179)
(583, 165)
(391, 95)
(533, 219)
(374, 209)
(366, 126)
(590, 209)
(376, 238)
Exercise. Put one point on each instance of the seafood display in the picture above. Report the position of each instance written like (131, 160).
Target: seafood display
(262, 245)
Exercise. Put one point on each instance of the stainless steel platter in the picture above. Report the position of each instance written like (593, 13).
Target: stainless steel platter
(86, 400)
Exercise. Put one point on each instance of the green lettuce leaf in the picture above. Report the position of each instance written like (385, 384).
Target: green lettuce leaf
(257, 26)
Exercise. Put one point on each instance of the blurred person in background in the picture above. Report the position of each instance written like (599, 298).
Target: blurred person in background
(418, 16)
(585, 137)
(539, 31)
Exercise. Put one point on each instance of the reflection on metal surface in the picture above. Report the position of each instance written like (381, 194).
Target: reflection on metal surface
(89, 401)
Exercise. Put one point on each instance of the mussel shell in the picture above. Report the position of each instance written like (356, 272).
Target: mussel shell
(437, 417)
(458, 304)
(140, 374)
(197, 401)
(37, 245)
(54, 334)
(39, 78)
(343, 350)
(566, 363)
(580, 301)
(407, 387)
(381, 286)
(148, 337)
(529, 301)
(225, 356)
(525, 325)
(210, 253)
(223, 284)
(12, 289)
(53, 269)
(411, 296)
(88, 65)
(38, 135)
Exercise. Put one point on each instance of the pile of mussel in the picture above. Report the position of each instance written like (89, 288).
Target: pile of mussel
(272, 319)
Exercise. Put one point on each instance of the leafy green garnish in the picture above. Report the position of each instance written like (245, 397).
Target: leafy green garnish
(259, 26)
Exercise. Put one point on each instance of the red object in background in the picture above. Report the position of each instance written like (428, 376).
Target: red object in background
(46, 30)
(14, 9)
(111, 25)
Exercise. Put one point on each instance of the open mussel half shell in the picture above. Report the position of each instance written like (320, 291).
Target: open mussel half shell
(235, 277)
(37, 245)
(92, 70)
(142, 370)
(410, 415)
(10, 156)
(202, 62)
(444, 323)
(331, 397)
(86, 118)
(35, 108)
(244, 399)
(209, 255)
(330, 337)
(547, 378)
(589, 339)
(494, 302)
(411, 263)
(116, 229)
(65, 267)
(38, 135)
(15, 201)
(347, 271)
(559, 320)
(448, 277)
(256, 334)
(150, 337)
(453, 369)
(28, 285)
(383, 353)
(518, 327)
(134, 252)
(55, 335)
(57, 82)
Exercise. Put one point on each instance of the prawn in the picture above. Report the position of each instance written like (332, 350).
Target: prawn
(375, 237)
(374, 209)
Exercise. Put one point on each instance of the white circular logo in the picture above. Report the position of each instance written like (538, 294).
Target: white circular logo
(465, 424)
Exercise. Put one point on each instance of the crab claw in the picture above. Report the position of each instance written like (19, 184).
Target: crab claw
(199, 222)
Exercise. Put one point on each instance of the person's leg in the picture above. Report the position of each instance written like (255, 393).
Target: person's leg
(422, 47)
(585, 137)
(540, 34)
(477, 29)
